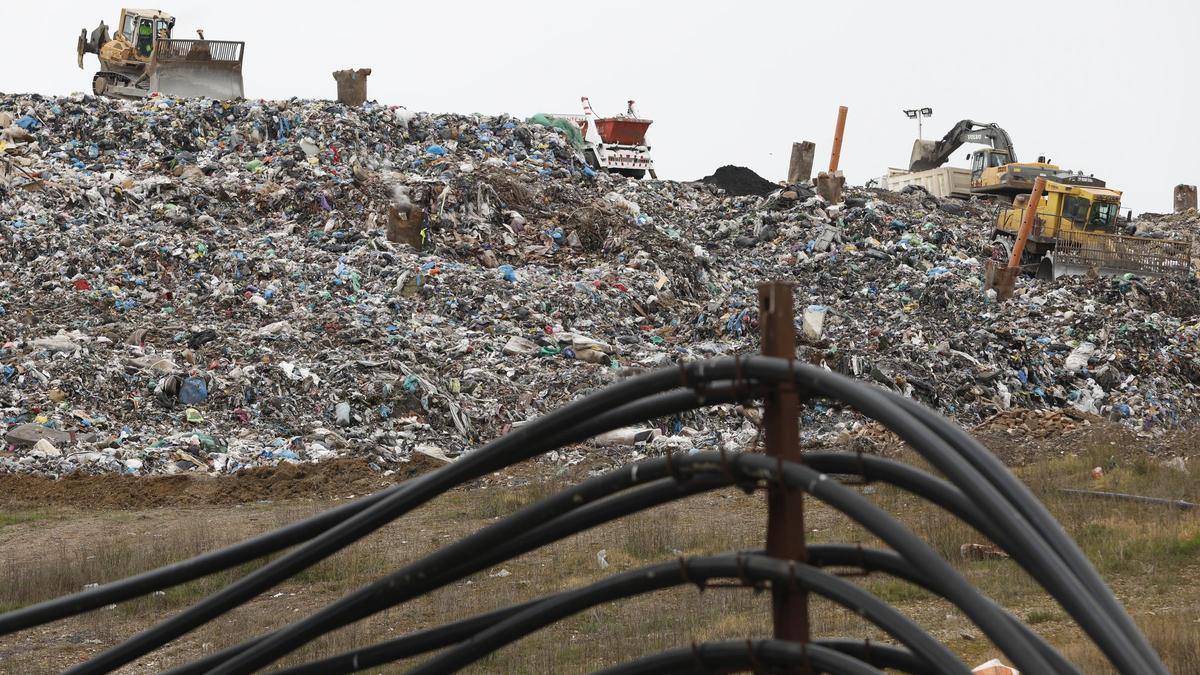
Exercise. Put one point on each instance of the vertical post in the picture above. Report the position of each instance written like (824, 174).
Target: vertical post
(1035, 199)
(1185, 198)
(800, 165)
(352, 86)
(837, 139)
(781, 427)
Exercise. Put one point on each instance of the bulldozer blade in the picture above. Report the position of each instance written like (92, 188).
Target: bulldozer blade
(199, 80)
(1053, 269)
(200, 68)
(1080, 253)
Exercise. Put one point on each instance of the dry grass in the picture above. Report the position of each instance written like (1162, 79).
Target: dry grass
(1148, 554)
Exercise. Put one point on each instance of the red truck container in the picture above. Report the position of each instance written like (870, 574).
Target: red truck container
(622, 130)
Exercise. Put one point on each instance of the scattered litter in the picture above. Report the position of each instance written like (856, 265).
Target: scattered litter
(200, 285)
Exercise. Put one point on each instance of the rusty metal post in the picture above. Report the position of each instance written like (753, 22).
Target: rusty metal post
(837, 139)
(1035, 199)
(781, 427)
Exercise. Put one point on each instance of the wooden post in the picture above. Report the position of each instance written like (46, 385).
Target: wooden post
(781, 427)
(800, 166)
(837, 139)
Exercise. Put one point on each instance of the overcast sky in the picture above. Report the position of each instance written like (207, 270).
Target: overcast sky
(1104, 87)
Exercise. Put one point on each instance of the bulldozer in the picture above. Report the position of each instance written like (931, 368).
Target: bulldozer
(142, 58)
(1077, 229)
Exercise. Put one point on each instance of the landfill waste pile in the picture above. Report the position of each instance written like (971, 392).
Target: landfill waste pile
(192, 286)
(1184, 225)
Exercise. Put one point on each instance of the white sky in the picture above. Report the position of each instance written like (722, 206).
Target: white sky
(1104, 87)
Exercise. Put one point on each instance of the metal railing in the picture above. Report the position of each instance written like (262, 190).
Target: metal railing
(1113, 252)
(173, 50)
(977, 488)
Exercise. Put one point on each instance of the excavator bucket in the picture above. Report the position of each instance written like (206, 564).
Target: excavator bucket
(1113, 255)
(208, 68)
(922, 156)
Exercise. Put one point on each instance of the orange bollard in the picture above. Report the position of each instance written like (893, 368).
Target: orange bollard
(837, 139)
(1035, 198)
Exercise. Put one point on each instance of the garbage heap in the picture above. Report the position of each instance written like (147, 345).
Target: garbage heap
(195, 286)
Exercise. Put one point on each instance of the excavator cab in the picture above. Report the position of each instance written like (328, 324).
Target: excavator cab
(987, 158)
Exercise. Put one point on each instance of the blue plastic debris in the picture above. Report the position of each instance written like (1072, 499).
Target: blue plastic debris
(193, 390)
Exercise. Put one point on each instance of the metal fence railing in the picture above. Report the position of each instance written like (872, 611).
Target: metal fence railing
(198, 50)
(1111, 252)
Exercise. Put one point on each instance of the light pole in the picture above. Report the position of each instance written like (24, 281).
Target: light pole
(919, 114)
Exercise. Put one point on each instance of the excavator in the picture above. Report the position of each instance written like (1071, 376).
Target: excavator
(142, 58)
(995, 170)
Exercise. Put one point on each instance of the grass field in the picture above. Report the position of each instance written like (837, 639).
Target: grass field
(1148, 554)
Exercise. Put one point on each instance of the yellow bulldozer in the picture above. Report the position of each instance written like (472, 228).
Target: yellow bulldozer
(142, 58)
(1077, 229)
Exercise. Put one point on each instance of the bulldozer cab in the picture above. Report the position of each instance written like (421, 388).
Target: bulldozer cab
(1067, 208)
(143, 28)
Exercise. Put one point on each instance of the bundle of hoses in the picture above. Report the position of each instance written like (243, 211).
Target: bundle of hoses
(999, 506)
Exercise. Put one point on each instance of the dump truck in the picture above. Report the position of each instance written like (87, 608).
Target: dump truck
(616, 144)
(142, 58)
(945, 181)
(1077, 229)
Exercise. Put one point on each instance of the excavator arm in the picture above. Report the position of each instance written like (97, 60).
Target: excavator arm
(932, 154)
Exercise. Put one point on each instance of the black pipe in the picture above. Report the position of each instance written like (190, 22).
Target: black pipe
(748, 569)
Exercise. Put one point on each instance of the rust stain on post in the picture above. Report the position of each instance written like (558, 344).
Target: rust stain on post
(781, 427)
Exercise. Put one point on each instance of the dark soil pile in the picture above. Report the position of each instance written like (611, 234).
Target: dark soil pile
(740, 181)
